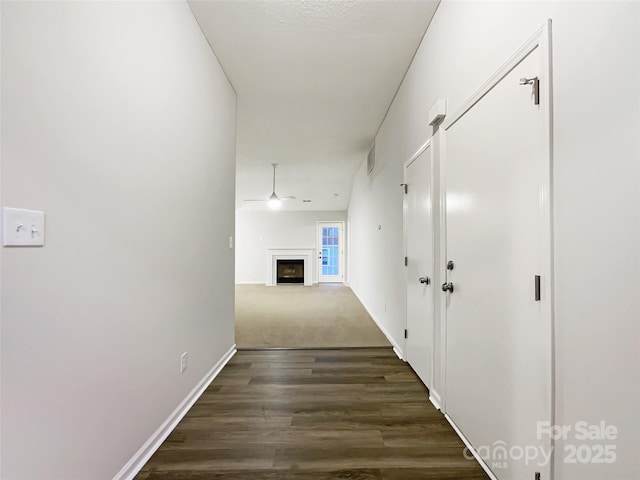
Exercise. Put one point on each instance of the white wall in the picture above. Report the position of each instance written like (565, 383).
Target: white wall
(257, 231)
(376, 259)
(596, 49)
(119, 123)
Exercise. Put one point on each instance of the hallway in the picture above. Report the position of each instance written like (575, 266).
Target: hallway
(137, 148)
(312, 415)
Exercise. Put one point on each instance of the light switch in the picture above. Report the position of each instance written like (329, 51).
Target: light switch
(22, 228)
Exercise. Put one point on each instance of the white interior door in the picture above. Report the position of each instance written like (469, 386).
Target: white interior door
(498, 347)
(330, 252)
(420, 257)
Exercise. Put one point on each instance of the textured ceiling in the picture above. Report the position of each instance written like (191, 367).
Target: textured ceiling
(314, 80)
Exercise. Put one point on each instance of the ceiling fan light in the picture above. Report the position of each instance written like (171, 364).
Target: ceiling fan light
(274, 202)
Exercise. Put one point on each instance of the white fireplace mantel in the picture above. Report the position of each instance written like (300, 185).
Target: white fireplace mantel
(275, 254)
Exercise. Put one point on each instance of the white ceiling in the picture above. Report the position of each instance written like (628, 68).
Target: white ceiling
(314, 80)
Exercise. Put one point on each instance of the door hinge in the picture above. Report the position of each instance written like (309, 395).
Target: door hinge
(405, 333)
(536, 476)
(535, 83)
(406, 261)
(405, 187)
(537, 288)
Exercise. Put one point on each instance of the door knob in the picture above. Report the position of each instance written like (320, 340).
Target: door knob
(447, 287)
(425, 280)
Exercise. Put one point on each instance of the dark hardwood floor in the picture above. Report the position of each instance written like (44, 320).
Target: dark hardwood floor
(359, 414)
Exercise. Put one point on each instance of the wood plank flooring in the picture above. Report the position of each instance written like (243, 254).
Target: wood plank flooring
(359, 414)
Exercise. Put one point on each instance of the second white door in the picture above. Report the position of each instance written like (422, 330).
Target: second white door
(420, 256)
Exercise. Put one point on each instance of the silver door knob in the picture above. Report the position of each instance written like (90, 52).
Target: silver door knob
(425, 280)
(447, 287)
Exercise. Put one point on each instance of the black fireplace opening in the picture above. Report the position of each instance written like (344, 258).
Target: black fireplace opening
(290, 271)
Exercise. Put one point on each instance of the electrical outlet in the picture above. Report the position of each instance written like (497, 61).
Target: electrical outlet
(183, 362)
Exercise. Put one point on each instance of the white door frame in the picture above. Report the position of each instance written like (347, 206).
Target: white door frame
(319, 225)
(540, 40)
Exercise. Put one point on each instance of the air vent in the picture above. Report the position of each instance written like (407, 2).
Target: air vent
(371, 158)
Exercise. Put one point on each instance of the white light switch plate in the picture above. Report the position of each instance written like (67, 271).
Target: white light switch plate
(184, 358)
(22, 228)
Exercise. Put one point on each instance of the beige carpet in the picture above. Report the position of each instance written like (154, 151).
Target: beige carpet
(295, 316)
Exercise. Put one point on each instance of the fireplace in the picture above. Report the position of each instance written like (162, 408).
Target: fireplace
(290, 271)
(275, 254)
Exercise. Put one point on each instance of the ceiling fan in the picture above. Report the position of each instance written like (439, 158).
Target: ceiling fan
(274, 201)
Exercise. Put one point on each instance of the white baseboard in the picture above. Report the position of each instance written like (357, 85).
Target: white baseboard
(249, 283)
(434, 398)
(396, 348)
(142, 456)
(397, 352)
(471, 449)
